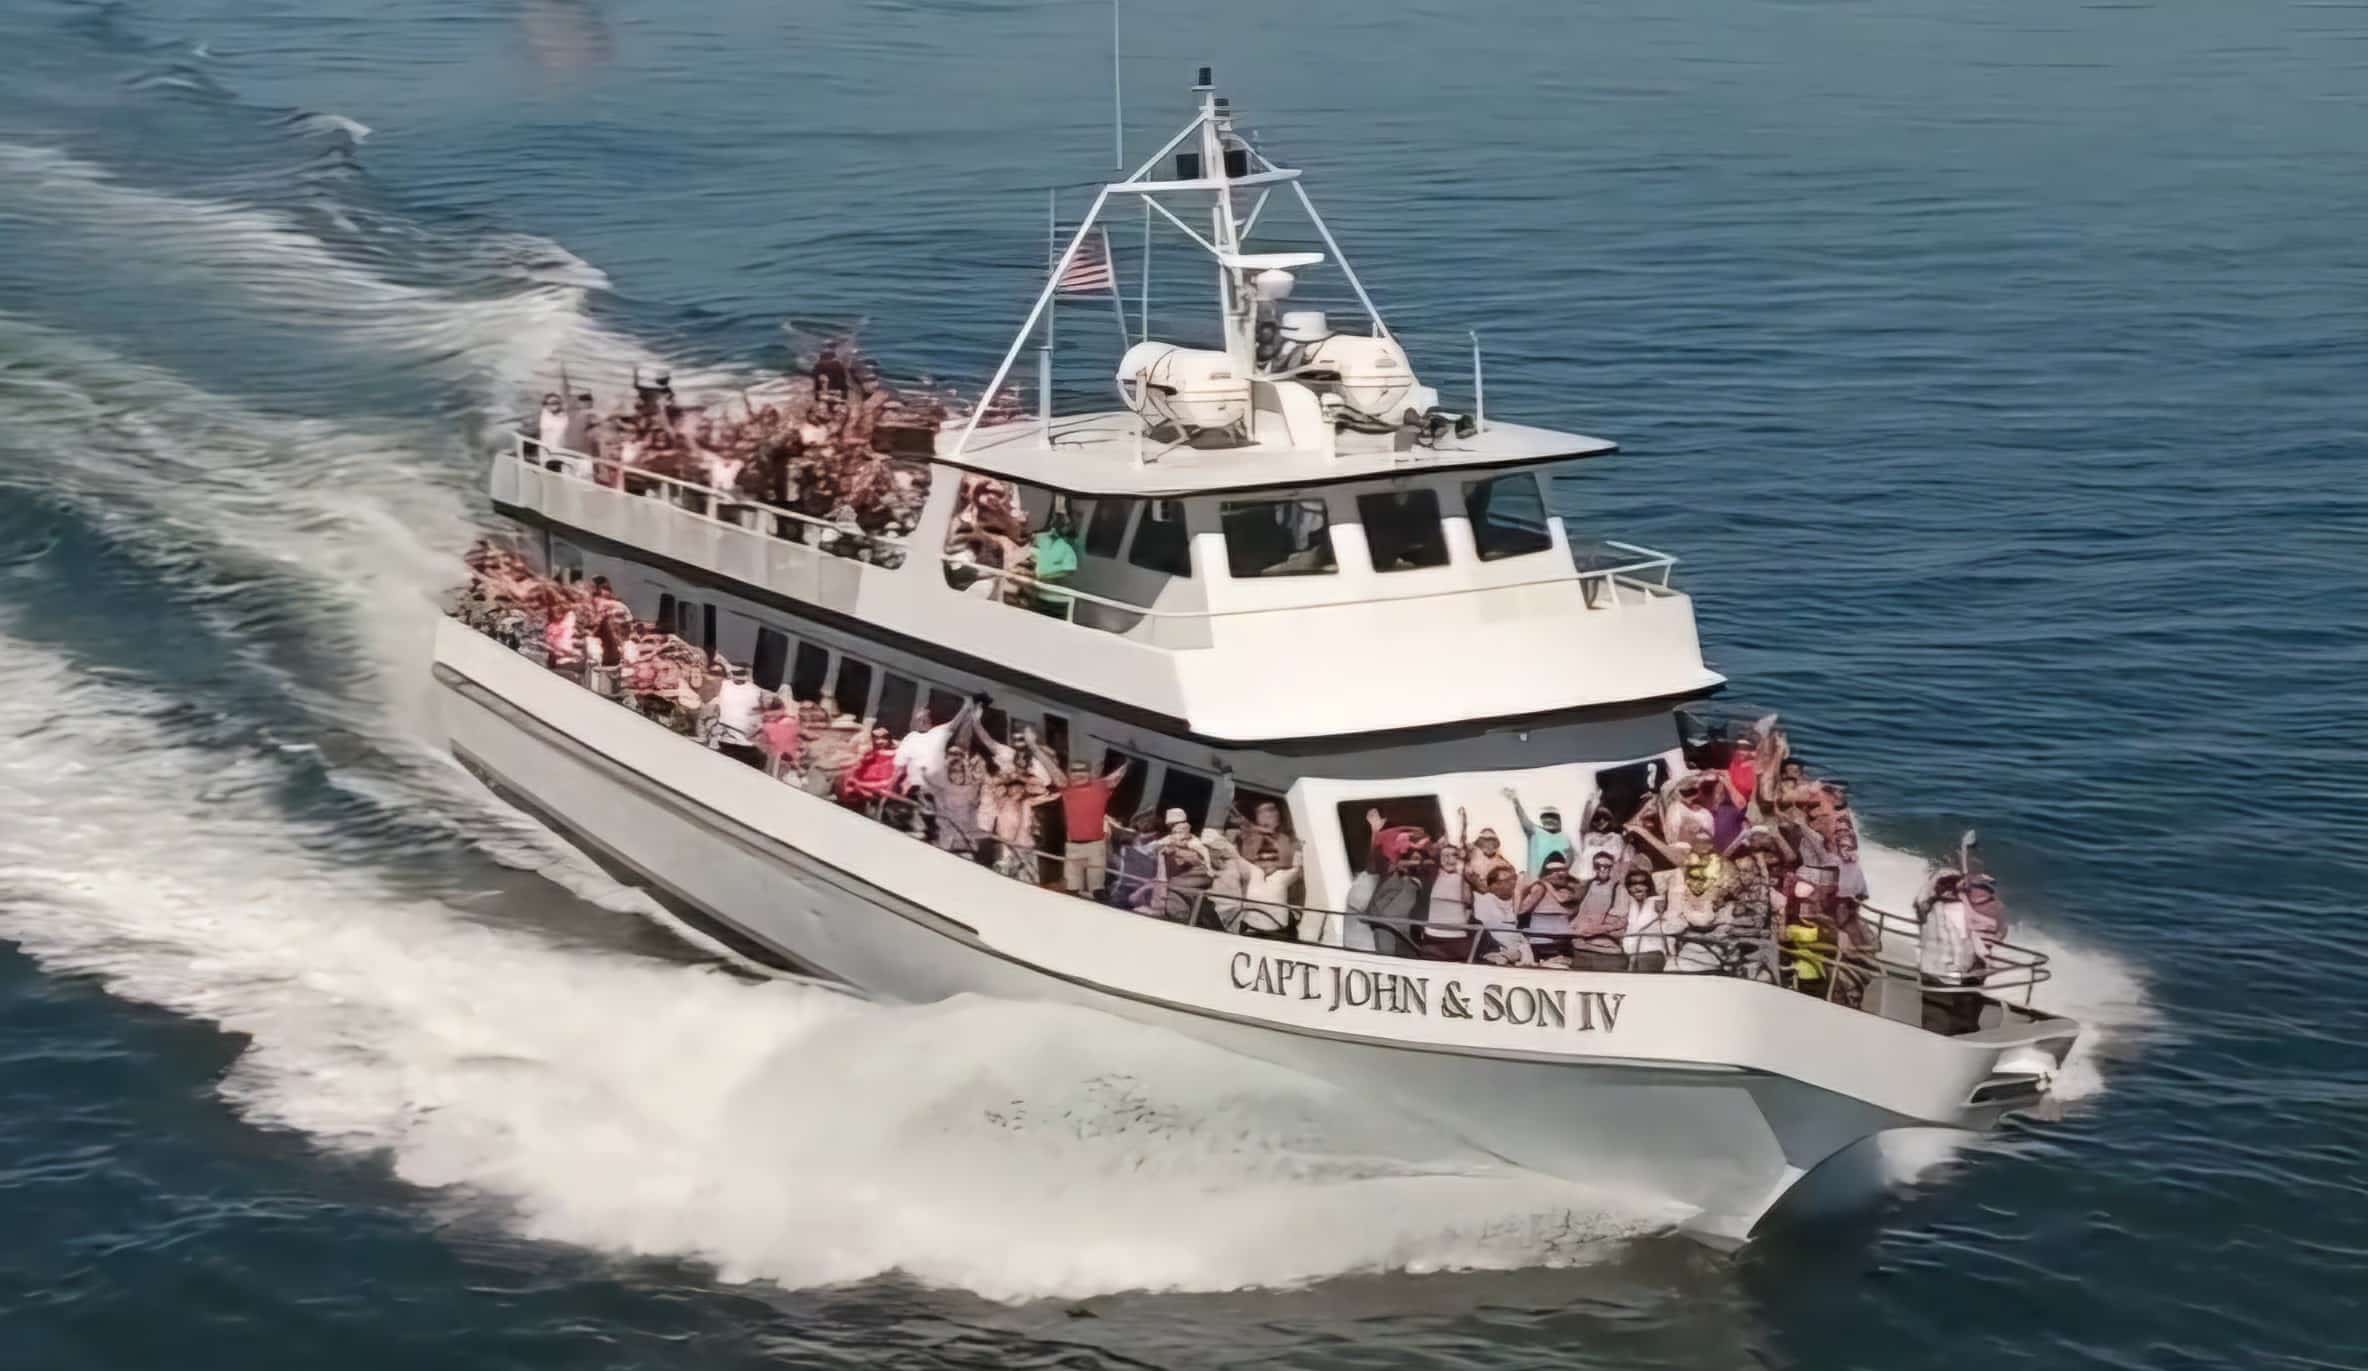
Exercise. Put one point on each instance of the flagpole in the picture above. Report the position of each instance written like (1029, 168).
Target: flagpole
(1052, 246)
(1143, 307)
(1117, 300)
(1117, 93)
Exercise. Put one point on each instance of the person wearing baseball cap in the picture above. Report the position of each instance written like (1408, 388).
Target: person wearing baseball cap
(1546, 835)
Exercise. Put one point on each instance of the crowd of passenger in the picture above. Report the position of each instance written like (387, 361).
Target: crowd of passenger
(994, 549)
(833, 447)
(1743, 865)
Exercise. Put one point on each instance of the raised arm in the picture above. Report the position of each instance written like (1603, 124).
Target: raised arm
(1520, 813)
(1636, 831)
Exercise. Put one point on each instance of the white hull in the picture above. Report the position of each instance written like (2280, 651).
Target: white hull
(1716, 1093)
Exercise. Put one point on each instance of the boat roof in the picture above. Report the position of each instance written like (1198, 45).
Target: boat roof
(1107, 454)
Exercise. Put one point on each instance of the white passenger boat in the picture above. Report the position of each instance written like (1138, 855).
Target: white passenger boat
(1279, 535)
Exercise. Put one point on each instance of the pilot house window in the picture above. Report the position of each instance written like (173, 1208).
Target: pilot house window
(1508, 516)
(1161, 543)
(1277, 538)
(1402, 529)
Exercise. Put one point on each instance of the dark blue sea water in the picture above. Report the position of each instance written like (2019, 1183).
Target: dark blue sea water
(2000, 370)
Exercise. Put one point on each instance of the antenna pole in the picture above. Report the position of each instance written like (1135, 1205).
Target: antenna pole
(1117, 93)
(1479, 389)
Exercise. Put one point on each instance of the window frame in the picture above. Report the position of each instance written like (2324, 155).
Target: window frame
(1090, 545)
(1227, 509)
(1181, 523)
(1374, 498)
(1545, 527)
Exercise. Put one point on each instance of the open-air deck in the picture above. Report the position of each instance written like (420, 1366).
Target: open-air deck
(1469, 618)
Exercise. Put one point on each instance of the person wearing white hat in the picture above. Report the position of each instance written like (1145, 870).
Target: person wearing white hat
(1185, 868)
(736, 718)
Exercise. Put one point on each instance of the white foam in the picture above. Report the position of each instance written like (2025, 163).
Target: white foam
(642, 1106)
(507, 345)
(2087, 983)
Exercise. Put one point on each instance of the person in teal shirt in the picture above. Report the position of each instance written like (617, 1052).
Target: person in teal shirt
(1546, 835)
(1056, 561)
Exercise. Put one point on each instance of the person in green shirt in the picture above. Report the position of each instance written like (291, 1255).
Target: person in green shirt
(1055, 550)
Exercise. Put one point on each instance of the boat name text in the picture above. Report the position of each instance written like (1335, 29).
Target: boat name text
(1447, 997)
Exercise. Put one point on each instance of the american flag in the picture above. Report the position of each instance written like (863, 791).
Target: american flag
(1090, 269)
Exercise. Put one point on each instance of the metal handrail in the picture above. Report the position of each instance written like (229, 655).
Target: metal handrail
(1740, 953)
(710, 497)
(1626, 573)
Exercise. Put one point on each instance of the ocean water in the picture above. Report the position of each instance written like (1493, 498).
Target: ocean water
(2000, 372)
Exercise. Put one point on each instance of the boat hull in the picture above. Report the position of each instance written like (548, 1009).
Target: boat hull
(896, 919)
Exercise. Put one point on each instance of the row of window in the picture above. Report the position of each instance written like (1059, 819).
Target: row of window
(808, 670)
(1404, 530)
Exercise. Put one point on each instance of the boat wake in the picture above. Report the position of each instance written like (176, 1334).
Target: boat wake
(777, 1130)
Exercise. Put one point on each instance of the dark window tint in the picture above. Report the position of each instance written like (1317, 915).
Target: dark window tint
(1624, 789)
(1277, 538)
(1246, 802)
(707, 627)
(1055, 734)
(665, 619)
(813, 667)
(1508, 516)
(1402, 529)
(853, 689)
(1105, 532)
(996, 724)
(772, 658)
(898, 695)
(1356, 830)
(943, 705)
(1126, 798)
(1160, 541)
(1189, 791)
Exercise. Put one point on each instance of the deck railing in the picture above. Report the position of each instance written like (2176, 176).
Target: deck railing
(1844, 972)
(1606, 569)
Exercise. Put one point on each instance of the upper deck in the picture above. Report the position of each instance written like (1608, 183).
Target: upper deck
(1283, 538)
(1423, 615)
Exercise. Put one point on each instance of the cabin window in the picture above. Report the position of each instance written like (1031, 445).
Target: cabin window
(772, 658)
(665, 619)
(811, 670)
(1056, 736)
(1246, 801)
(853, 690)
(1398, 811)
(1126, 798)
(898, 696)
(1508, 516)
(1624, 789)
(1277, 538)
(996, 724)
(1189, 791)
(1402, 529)
(943, 705)
(1105, 529)
(1161, 544)
(707, 637)
(567, 561)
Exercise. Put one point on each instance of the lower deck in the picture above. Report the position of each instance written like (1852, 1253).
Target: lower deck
(1324, 791)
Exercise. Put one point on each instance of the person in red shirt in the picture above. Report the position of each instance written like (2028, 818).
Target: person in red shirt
(874, 773)
(1085, 814)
